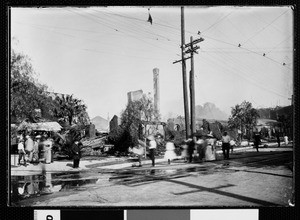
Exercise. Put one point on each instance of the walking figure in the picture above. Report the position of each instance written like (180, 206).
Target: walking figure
(170, 150)
(256, 140)
(21, 152)
(76, 154)
(225, 145)
(278, 138)
(184, 151)
(152, 146)
(191, 148)
(29, 146)
(139, 150)
(210, 152)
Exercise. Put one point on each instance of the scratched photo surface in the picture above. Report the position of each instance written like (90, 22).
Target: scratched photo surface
(130, 106)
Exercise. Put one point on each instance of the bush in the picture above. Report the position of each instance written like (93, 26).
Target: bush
(120, 138)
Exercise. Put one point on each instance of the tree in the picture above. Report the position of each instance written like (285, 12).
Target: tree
(133, 117)
(243, 117)
(27, 94)
(205, 125)
(68, 108)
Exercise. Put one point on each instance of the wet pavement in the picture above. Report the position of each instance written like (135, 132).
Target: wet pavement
(47, 187)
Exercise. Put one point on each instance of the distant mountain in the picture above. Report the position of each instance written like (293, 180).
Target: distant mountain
(210, 111)
(100, 123)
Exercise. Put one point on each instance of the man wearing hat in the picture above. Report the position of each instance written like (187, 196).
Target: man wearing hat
(152, 146)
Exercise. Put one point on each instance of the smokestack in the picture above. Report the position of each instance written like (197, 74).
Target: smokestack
(156, 89)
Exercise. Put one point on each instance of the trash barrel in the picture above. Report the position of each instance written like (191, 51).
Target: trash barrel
(14, 159)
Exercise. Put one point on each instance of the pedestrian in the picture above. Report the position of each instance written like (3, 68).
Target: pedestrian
(210, 153)
(21, 152)
(225, 145)
(278, 138)
(36, 149)
(139, 151)
(256, 140)
(191, 148)
(200, 148)
(152, 147)
(76, 154)
(29, 144)
(184, 151)
(170, 150)
(51, 141)
(47, 149)
(42, 149)
(286, 140)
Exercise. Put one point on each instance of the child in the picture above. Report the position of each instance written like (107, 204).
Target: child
(232, 145)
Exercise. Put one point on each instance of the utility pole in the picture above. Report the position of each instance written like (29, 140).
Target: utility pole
(193, 50)
(192, 91)
(185, 96)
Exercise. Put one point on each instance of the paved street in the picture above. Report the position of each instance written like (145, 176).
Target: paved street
(247, 179)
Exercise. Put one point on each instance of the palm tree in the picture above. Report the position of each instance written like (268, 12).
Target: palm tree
(69, 108)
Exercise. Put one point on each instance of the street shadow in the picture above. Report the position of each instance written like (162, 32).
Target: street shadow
(219, 192)
(195, 191)
(272, 174)
(258, 160)
(143, 177)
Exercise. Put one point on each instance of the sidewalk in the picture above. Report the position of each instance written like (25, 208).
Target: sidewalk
(112, 162)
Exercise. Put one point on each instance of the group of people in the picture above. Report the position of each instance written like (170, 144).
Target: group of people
(35, 149)
(204, 147)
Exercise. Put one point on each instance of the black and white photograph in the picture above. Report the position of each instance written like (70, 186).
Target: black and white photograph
(151, 106)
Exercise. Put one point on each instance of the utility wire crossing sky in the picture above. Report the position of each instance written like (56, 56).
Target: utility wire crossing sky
(98, 54)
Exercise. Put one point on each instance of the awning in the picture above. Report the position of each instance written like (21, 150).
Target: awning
(41, 126)
(47, 126)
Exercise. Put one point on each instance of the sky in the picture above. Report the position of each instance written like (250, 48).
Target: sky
(98, 54)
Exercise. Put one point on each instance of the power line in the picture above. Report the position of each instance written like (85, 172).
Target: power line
(237, 71)
(275, 61)
(123, 16)
(141, 27)
(85, 49)
(280, 43)
(265, 27)
(117, 30)
(217, 22)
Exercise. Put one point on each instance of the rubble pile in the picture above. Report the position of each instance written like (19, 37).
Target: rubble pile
(93, 146)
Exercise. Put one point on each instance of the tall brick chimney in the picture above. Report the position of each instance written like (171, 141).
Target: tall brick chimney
(156, 89)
